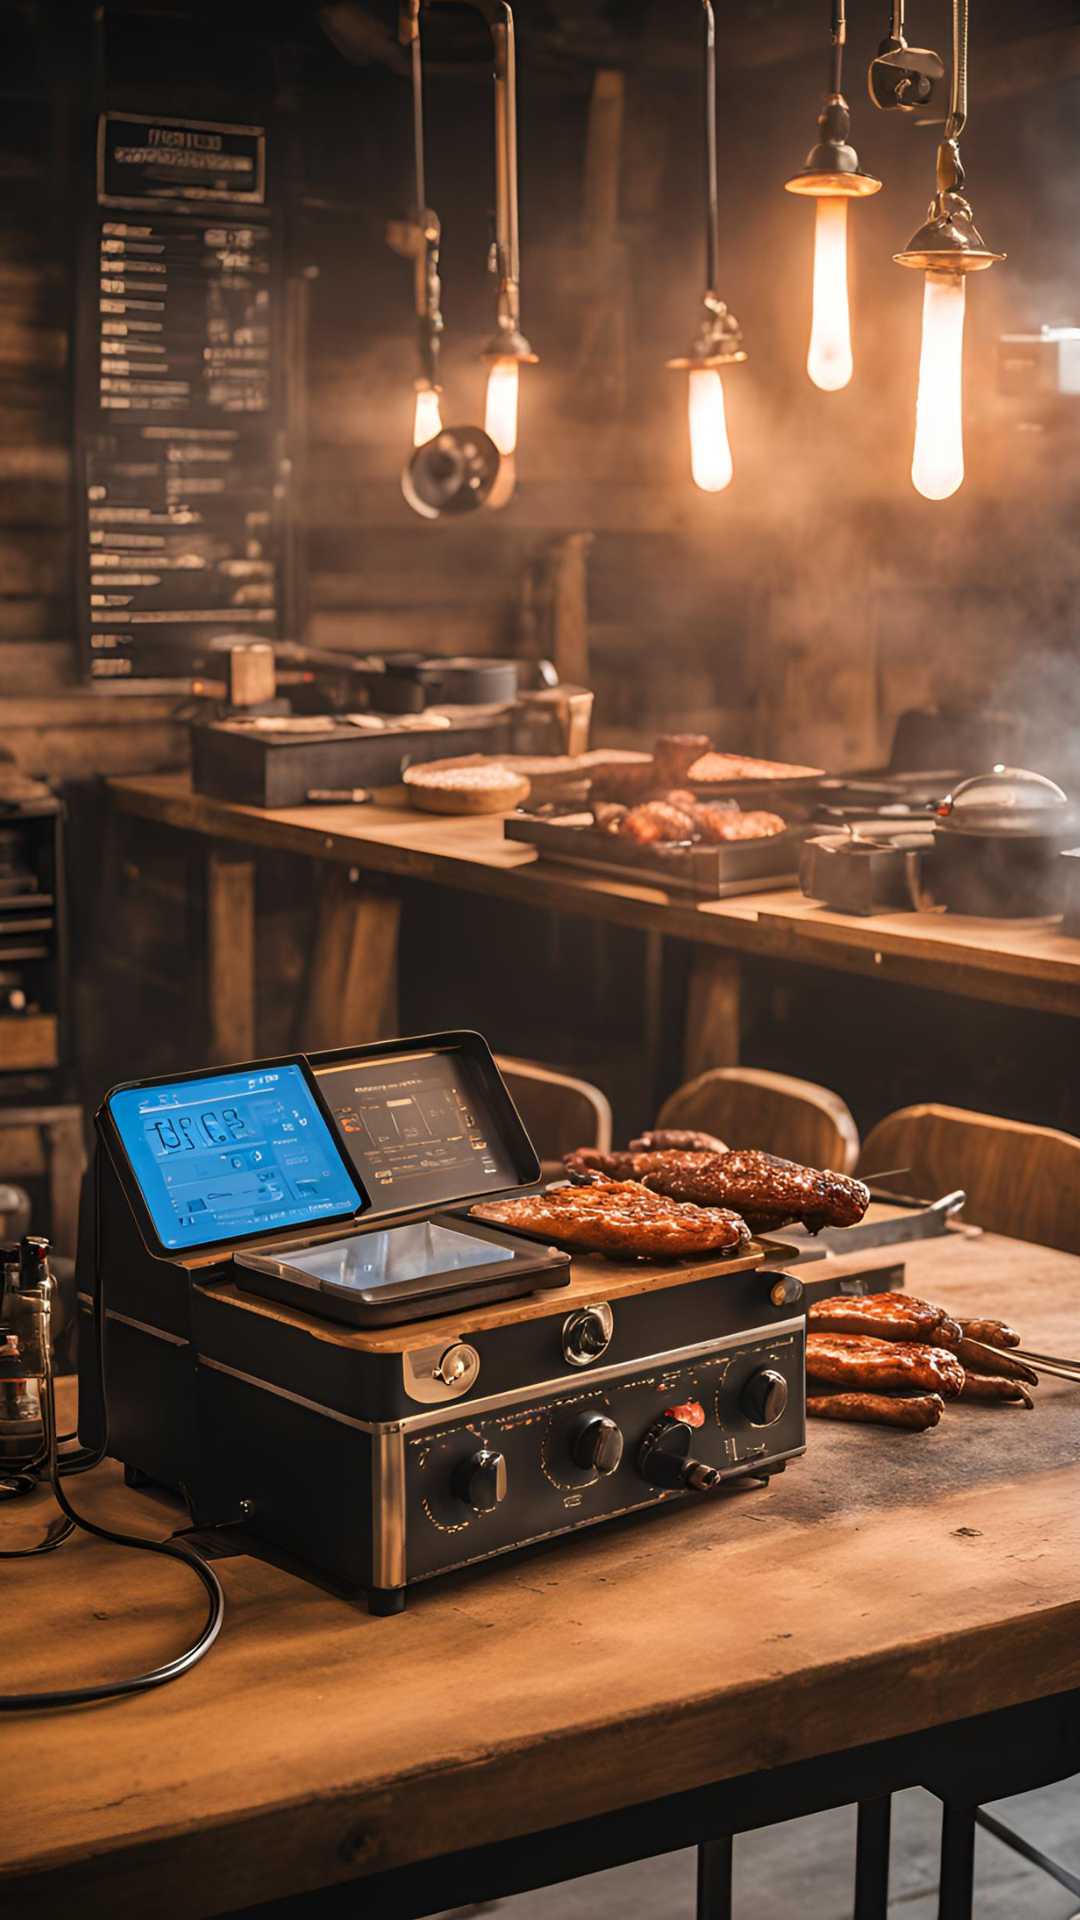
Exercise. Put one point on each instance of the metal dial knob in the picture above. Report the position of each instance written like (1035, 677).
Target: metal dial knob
(586, 1335)
(480, 1481)
(764, 1397)
(596, 1442)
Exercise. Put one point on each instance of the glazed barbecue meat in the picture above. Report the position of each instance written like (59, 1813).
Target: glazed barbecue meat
(995, 1332)
(983, 1386)
(655, 820)
(882, 1366)
(915, 1411)
(722, 824)
(677, 1140)
(768, 1192)
(622, 1220)
(891, 1316)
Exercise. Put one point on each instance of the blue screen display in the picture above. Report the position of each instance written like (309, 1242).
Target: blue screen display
(232, 1154)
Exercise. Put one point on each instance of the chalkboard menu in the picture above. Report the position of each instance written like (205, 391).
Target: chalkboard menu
(179, 400)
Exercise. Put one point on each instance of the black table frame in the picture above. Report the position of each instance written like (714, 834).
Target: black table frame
(966, 1762)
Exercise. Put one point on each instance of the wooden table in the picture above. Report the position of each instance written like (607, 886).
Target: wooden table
(1012, 963)
(628, 1690)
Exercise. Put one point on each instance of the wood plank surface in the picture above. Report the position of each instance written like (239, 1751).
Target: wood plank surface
(889, 1582)
(1021, 963)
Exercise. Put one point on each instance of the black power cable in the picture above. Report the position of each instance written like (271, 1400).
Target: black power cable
(27, 1478)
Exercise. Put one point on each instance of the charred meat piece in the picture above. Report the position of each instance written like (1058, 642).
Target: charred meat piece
(988, 1386)
(677, 1140)
(882, 1366)
(654, 821)
(768, 1192)
(620, 1219)
(915, 1411)
(994, 1332)
(891, 1316)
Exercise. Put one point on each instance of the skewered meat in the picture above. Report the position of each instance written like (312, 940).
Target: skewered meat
(858, 1362)
(916, 1411)
(891, 1316)
(677, 1140)
(974, 1357)
(655, 820)
(995, 1332)
(619, 1219)
(767, 1192)
(985, 1386)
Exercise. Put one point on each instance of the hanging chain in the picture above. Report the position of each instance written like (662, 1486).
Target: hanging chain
(958, 98)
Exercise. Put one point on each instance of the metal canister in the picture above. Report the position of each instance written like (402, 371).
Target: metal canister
(21, 1364)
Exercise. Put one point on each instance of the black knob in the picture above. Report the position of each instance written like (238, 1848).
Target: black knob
(596, 1442)
(481, 1480)
(665, 1460)
(764, 1397)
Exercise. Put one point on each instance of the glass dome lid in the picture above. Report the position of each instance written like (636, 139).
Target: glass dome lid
(1008, 800)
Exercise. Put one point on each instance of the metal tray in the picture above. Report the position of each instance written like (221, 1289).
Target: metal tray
(710, 873)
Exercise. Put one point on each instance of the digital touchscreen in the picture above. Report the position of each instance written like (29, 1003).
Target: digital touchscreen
(226, 1155)
(417, 1127)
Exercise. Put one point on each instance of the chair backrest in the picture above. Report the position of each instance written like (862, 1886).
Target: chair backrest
(560, 1112)
(1020, 1179)
(751, 1107)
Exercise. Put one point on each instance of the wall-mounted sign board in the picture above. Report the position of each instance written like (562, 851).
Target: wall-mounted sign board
(180, 416)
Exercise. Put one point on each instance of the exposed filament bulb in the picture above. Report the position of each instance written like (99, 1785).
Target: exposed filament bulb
(710, 450)
(937, 463)
(427, 416)
(501, 410)
(829, 362)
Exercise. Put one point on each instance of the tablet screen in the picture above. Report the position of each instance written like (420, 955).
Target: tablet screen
(223, 1156)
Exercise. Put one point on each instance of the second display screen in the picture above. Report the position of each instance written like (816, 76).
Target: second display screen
(417, 1128)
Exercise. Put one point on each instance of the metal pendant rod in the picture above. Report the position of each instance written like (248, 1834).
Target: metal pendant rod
(507, 249)
(712, 171)
(839, 41)
(958, 97)
(426, 232)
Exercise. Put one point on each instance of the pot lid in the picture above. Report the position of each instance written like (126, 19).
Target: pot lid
(1008, 800)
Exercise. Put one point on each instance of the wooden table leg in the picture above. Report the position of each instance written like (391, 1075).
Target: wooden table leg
(230, 955)
(712, 1011)
(351, 989)
(714, 1865)
(957, 1883)
(872, 1859)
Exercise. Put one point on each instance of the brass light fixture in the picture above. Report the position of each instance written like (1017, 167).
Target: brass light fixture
(831, 176)
(453, 470)
(719, 338)
(946, 248)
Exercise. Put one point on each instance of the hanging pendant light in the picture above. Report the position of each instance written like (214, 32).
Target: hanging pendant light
(832, 176)
(946, 249)
(508, 350)
(719, 339)
(422, 241)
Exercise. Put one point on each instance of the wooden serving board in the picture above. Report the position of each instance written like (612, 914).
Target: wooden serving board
(592, 1277)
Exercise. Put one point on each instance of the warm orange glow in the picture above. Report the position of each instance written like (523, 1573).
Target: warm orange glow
(427, 419)
(829, 361)
(710, 452)
(501, 413)
(937, 464)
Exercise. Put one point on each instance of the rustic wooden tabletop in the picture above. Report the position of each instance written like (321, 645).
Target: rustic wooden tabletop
(887, 1583)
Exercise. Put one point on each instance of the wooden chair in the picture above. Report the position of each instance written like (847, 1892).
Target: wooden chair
(750, 1107)
(560, 1113)
(1020, 1179)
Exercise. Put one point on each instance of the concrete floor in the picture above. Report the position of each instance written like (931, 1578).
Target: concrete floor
(803, 1870)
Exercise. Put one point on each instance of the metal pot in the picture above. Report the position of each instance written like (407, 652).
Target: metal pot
(997, 842)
